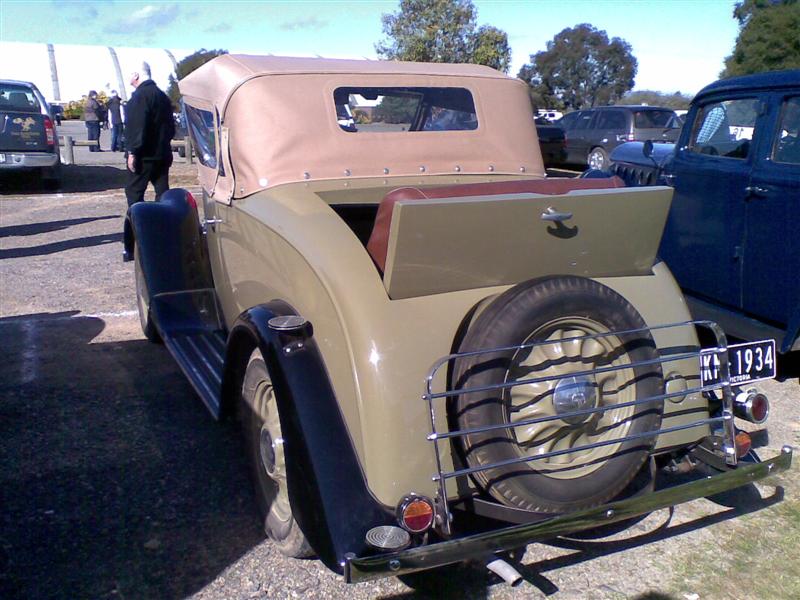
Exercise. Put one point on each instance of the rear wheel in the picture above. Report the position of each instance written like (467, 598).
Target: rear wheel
(143, 299)
(589, 466)
(265, 449)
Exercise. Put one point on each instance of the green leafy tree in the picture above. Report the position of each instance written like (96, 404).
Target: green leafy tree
(443, 31)
(769, 37)
(581, 67)
(186, 66)
(676, 101)
(490, 47)
(395, 109)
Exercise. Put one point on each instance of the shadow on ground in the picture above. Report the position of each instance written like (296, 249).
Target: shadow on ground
(74, 178)
(114, 481)
(48, 226)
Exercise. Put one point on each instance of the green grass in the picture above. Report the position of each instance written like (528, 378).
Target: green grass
(756, 556)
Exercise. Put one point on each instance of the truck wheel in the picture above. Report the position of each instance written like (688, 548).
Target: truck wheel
(143, 300)
(556, 309)
(265, 449)
(598, 159)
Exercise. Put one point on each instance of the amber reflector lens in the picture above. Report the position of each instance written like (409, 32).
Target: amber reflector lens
(417, 516)
(743, 443)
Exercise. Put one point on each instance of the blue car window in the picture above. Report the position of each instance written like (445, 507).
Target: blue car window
(786, 148)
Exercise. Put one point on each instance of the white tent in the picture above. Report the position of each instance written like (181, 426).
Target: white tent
(79, 69)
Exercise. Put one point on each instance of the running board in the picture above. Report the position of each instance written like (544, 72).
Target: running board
(201, 357)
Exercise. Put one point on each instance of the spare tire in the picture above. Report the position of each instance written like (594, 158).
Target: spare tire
(556, 309)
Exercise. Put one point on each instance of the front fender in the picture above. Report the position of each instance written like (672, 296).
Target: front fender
(173, 254)
(327, 488)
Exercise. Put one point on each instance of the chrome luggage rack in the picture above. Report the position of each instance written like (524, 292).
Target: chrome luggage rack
(725, 420)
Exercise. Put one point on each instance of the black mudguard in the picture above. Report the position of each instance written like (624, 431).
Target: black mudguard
(174, 258)
(327, 487)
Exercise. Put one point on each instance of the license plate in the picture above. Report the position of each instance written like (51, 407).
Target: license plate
(749, 362)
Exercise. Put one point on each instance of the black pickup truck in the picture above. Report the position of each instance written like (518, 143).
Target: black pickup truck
(28, 137)
(731, 238)
(553, 143)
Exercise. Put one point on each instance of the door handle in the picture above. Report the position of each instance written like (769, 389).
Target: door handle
(212, 221)
(551, 214)
(756, 190)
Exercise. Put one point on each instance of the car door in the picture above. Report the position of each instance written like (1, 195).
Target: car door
(772, 246)
(710, 172)
(203, 127)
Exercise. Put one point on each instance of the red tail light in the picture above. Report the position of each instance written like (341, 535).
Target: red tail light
(415, 513)
(49, 132)
(191, 201)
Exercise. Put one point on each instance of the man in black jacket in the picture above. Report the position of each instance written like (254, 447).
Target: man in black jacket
(149, 128)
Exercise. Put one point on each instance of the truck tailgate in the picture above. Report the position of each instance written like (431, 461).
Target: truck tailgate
(22, 132)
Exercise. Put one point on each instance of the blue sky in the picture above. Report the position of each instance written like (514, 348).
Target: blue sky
(680, 44)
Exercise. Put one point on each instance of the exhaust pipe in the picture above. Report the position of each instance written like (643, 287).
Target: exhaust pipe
(505, 571)
(751, 406)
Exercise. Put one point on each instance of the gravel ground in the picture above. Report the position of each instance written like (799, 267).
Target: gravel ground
(115, 482)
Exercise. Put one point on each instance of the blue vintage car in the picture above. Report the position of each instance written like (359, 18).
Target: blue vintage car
(732, 239)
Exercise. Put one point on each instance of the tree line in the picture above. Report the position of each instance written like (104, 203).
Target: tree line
(580, 67)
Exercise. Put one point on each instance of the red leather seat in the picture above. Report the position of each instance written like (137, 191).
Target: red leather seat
(378, 243)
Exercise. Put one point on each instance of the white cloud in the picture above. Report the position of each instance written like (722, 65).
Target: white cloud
(146, 19)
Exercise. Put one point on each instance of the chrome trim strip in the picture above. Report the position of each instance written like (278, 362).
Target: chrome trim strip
(635, 436)
(485, 544)
(585, 411)
(503, 386)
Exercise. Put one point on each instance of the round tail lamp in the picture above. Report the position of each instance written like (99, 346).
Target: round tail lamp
(415, 513)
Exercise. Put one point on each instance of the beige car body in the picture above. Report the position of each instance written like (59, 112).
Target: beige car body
(273, 234)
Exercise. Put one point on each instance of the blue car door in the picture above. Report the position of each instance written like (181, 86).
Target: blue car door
(772, 242)
(710, 172)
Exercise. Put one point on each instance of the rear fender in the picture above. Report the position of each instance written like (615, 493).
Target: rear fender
(327, 488)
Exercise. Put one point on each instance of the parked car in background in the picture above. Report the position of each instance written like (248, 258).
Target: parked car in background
(28, 138)
(732, 234)
(593, 133)
(436, 352)
(552, 142)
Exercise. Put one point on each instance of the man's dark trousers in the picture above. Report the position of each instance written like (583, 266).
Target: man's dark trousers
(116, 138)
(148, 171)
(93, 134)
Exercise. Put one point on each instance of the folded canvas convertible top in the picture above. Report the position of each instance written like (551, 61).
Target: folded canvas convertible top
(277, 122)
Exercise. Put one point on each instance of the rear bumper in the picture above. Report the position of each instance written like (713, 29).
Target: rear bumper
(28, 160)
(484, 545)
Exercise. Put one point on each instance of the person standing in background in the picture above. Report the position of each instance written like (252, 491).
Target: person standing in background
(149, 126)
(115, 117)
(92, 118)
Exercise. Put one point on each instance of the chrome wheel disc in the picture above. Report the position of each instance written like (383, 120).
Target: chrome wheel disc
(271, 450)
(569, 393)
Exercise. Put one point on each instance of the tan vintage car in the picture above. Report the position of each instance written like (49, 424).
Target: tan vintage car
(437, 353)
